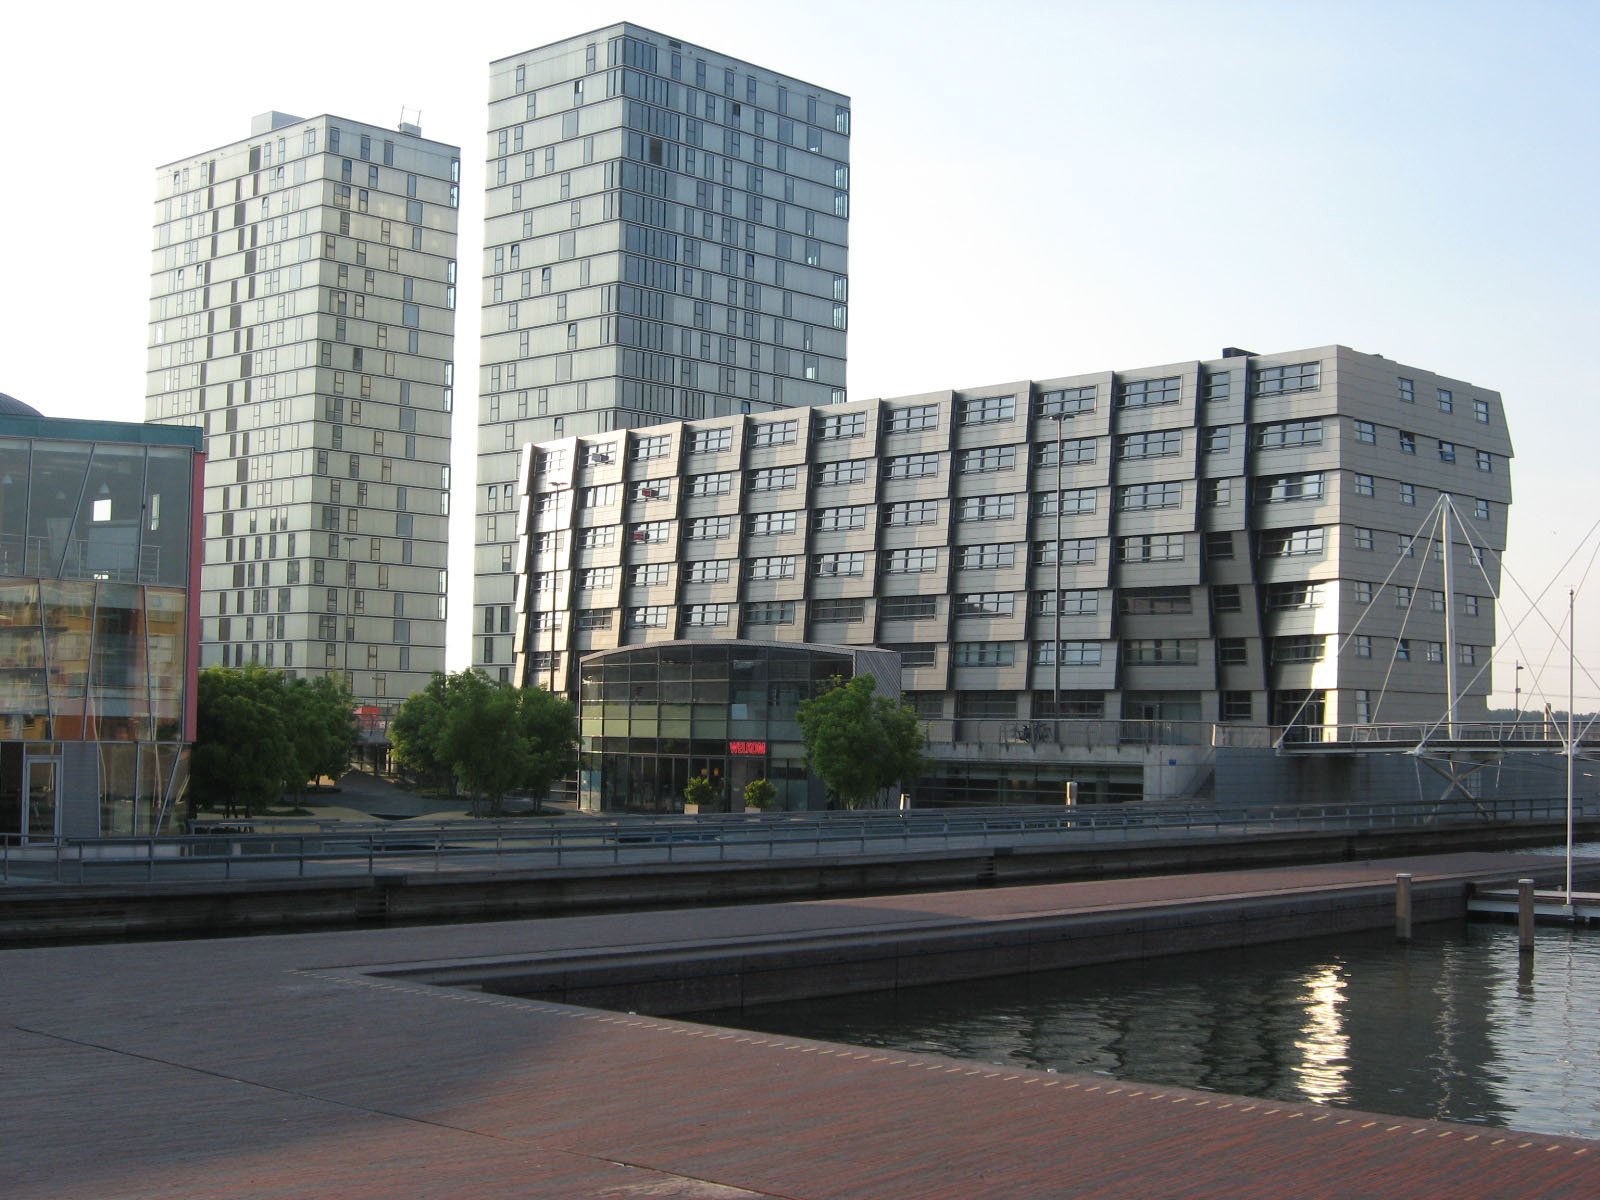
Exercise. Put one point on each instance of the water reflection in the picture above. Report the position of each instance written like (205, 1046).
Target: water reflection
(1452, 1026)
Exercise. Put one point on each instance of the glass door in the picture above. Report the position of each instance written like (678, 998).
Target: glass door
(40, 815)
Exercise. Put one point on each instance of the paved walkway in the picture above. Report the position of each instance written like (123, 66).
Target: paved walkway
(277, 1066)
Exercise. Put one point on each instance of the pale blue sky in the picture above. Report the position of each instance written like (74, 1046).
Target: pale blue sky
(1037, 190)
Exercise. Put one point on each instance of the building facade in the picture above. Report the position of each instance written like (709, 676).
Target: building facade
(302, 317)
(99, 569)
(1248, 540)
(665, 237)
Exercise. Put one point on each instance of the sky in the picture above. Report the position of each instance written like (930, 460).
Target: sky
(1038, 189)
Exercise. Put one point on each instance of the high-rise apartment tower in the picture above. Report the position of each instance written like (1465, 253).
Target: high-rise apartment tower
(301, 314)
(664, 239)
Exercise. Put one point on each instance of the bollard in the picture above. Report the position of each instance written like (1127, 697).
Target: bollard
(1402, 907)
(1525, 915)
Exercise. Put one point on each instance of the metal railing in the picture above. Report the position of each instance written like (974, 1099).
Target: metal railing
(575, 843)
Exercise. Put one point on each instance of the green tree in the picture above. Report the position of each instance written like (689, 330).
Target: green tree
(859, 743)
(242, 750)
(319, 718)
(699, 792)
(488, 736)
(759, 793)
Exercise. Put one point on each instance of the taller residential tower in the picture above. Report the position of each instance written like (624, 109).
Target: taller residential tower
(664, 239)
(301, 315)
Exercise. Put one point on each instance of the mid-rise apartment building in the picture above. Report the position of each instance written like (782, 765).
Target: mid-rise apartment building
(1252, 539)
(665, 238)
(302, 315)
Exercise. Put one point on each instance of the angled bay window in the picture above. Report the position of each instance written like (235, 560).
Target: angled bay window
(1146, 548)
(1074, 452)
(986, 508)
(1073, 654)
(1275, 489)
(1161, 652)
(985, 654)
(909, 466)
(1140, 496)
(986, 459)
(849, 564)
(986, 410)
(1277, 381)
(1160, 443)
(912, 418)
(832, 474)
(987, 556)
(1149, 393)
(1281, 435)
(1073, 502)
(1074, 552)
(1290, 543)
(1065, 401)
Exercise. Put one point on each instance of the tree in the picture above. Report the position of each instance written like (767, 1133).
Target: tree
(759, 793)
(699, 792)
(859, 743)
(488, 736)
(242, 749)
(319, 717)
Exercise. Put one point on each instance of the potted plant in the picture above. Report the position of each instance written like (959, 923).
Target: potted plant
(759, 795)
(697, 796)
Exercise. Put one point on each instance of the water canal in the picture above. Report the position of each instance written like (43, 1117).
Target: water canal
(1455, 1025)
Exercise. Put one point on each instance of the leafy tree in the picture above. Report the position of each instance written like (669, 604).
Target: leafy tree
(488, 736)
(699, 792)
(242, 750)
(859, 743)
(319, 716)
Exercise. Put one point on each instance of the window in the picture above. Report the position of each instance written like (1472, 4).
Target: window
(1140, 496)
(1074, 603)
(986, 604)
(908, 608)
(1480, 411)
(598, 537)
(705, 529)
(1216, 438)
(1480, 509)
(765, 524)
(1073, 551)
(914, 655)
(911, 512)
(650, 489)
(774, 479)
(1276, 489)
(719, 484)
(710, 441)
(714, 570)
(1447, 400)
(911, 562)
(1301, 648)
(1467, 655)
(1485, 461)
(1408, 442)
(1402, 597)
(654, 616)
(1216, 385)
(1161, 443)
(703, 615)
(1151, 547)
(1408, 391)
(1074, 452)
(987, 459)
(1447, 452)
(1402, 650)
(919, 416)
(1218, 493)
(1160, 652)
(1366, 432)
(1219, 546)
(774, 433)
(1282, 597)
(651, 531)
(1078, 500)
(595, 456)
(652, 447)
(851, 563)
(1408, 493)
(909, 466)
(1065, 401)
(1362, 645)
(844, 425)
(1236, 707)
(1435, 601)
(1279, 381)
(988, 557)
(1225, 598)
(1148, 393)
(595, 577)
(650, 575)
(597, 497)
(1289, 543)
(838, 610)
(1363, 538)
(594, 618)
(986, 410)
(1233, 652)
(831, 520)
(1365, 485)
(781, 567)
(1433, 652)
(986, 508)
(1073, 654)
(985, 654)
(1162, 601)
(1363, 591)
(1283, 435)
(853, 471)
(770, 612)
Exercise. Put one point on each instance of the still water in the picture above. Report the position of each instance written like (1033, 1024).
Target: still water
(1456, 1025)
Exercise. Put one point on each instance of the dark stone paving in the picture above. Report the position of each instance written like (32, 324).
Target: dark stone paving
(275, 1066)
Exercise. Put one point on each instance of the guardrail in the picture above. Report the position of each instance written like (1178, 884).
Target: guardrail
(564, 843)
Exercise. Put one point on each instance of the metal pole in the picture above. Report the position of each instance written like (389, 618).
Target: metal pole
(1055, 705)
(1402, 907)
(1572, 747)
(1525, 915)
(1449, 624)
